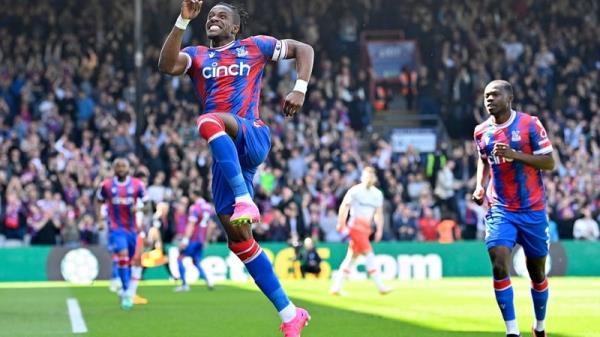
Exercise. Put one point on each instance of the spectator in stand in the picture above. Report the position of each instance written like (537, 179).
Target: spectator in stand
(404, 224)
(67, 105)
(428, 225)
(445, 189)
(449, 230)
(586, 228)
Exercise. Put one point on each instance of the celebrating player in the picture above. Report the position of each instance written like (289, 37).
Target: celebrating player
(513, 149)
(364, 203)
(123, 196)
(194, 238)
(227, 75)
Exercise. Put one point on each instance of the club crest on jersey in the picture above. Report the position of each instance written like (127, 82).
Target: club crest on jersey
(241, 51)
(211, 54)
(515, 136)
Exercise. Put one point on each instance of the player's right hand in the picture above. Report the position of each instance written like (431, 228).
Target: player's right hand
(478, 195)
(292, 104)
(190, 8)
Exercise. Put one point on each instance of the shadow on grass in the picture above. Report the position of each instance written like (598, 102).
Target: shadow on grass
(233, 312)
(333, 321)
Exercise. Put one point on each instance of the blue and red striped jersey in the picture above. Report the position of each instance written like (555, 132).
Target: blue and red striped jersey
(122, 201)
(514, 185)
(199, 213)
(229, 78)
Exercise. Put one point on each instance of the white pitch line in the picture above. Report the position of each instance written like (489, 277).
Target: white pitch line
(77, 322)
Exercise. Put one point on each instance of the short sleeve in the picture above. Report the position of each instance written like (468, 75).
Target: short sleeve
(379, 199)
(207, 208)
(350, 194)
(271, 48)
(142, 192)
(101, 193)
(190, 52)
(540, 143)
(193, 216)
(479, 145)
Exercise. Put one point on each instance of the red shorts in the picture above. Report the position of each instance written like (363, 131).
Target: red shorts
(359, 241)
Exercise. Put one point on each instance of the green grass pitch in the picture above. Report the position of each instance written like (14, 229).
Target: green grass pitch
(459, 307)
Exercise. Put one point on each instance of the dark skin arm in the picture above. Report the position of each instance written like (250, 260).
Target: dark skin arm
(171, 61)
(540, 162)
(483, 172)
(304, 55)
(99, 220)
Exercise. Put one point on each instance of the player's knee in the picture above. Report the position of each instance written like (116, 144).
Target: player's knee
(537, 272)
(210, 125)
(500, 269)
(123, 261)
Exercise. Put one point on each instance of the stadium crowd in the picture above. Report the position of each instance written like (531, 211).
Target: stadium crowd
(67, 98)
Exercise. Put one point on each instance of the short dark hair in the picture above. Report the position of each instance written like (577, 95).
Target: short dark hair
(118, 159)
(507, 87)
(504, 85)
(240, 15)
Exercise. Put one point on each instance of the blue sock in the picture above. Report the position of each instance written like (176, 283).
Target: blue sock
(181, 271)
(125, 275)
(262, 272)
(200, 269)
(225, 154)
(504, 297)
(115, 270)
(539, 294)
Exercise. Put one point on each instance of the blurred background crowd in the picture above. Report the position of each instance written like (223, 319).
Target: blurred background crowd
(67, 94)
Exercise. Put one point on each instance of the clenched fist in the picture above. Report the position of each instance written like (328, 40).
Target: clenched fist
(190, 8)
(293, 103)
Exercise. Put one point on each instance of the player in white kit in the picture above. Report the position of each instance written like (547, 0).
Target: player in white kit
(364, 203)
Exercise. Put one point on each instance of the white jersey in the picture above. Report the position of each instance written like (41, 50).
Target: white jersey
(363, 204)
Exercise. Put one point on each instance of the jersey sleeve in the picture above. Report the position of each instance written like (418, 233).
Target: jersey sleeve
(193, 215)
(478, 139)
(540, 144)
(206, 208)
(271, 48)
(141, 194)
(101, 193)
(349, 197)
(192, 63)
(379, 199)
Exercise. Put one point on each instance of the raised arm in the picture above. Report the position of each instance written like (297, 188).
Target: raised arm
(304, 55)
(171, 60)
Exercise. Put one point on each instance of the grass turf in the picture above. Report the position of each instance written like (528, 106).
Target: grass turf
(449, 307)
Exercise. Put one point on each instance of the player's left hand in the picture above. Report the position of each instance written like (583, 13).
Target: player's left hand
(293, 103)
(503, 150)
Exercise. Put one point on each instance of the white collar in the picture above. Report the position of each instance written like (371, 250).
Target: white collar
(116, 181)
(513, 115)
(227, 46)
